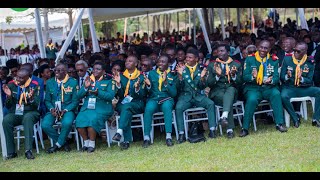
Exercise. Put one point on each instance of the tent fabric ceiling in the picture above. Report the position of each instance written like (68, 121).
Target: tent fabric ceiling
(110, 14)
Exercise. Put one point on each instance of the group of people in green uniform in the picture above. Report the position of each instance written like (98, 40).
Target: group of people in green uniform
(161, 90)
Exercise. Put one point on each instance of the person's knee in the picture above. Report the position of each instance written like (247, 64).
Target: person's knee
(284, 96)
(7, 120)
(66, 123)
(252, 100)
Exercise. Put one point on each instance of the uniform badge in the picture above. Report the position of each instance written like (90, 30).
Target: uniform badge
(68, 89)
(187, 76)
(198, 74)
(104, 85)
(244, 66)
(189, 81)
(184, 71)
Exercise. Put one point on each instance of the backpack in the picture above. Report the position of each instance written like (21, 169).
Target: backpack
(196, 133)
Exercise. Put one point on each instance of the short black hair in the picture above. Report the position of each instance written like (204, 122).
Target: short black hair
(193, 51)
(225, 46)
(101, 64)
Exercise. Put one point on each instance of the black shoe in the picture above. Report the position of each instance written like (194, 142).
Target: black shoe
(316, 123)
(296, 124)
(12, 155)
(213, 134)
(169, 142)
(281, 128)
(84, 148)
(90, 149)
(53, 149)
(117, 137)
(230, 134)
(29, 155)
(244, 133)
(181, 139)
(124, 145)
(146, 143)
(66, 147)
(224, 122)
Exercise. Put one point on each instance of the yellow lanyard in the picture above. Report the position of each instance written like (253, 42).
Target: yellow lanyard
(295, 61)
(226, 66)
(61, 85)
(260, 72)
(134, 75)
(160, 78)
(192, 69)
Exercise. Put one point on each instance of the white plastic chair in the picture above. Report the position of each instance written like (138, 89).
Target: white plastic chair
(23, 59)
(236, 106)
(262, 103)
(3, 60)
(36, 131)
(303, 108)
(188, 117)
(158, 120)
(73, 131)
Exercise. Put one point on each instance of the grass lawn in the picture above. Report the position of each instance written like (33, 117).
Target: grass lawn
(264, 150)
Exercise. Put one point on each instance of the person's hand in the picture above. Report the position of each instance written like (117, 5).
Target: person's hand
(180, 69)
(95, 92)
(137, 83)
(268, 80)
(31, 93)
(63, 112)
(218, 69)
(146, 80)
(164, 76)
(53, 112)
(299, 74)
(116, 77)
(6, 90)
(289, 74)
(254, 73)
(87, 82)
(204, 72)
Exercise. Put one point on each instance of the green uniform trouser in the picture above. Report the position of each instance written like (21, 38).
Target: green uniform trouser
(27, 120)
(290, 92)
(254, 97)
(153, 107)
(66, 125)
(206, 103)
(226, 98)
(126, 113)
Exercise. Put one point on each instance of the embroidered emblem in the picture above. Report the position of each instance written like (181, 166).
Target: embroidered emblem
(68, 89)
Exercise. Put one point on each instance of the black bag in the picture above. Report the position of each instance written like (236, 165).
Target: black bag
(196, 133)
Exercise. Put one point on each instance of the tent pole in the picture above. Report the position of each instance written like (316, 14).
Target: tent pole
(79, 39)
(189, 24)
(238, 20)
(178, 21)
(125, 30)
(71, 35)
(204, 30)
(39, 33)
(313, 14)
(194, 26)
(303, 21)
(220, 11)
(83, 44)
(148, 26)
(95, 43)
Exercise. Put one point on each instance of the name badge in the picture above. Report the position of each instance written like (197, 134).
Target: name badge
(126, 100)
(92, 103)
(57, 105)
(19, 109)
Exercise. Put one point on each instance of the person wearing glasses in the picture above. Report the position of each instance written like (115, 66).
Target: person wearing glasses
(97, 93)
(81, 68)
(296, 75)
(62, 102)
(146, 66)
(261, 79)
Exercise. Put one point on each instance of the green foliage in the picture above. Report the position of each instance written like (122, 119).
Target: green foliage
(9, 19)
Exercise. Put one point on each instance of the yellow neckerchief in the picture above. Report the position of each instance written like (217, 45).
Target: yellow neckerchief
(192, 69)
(51, 46)
(134, 75)
(93, 79)
(160, 78)
(259, 78)
(226, 65)
(295, 61)
(61, 85)
(23, 94)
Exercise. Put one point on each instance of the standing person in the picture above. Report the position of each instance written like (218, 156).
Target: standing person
(316, 55)
(22, 102)
(97, 107)
(51, 50)
(131, 92)
(61, 101)
(224, 80)
(262, 78)
(296, 76)
(161, 85)
(192, 80)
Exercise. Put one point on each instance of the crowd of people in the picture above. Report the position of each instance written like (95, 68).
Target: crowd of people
(160, 73)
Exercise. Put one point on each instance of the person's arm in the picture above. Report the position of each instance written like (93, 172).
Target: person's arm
(106, 93)
(48, 97)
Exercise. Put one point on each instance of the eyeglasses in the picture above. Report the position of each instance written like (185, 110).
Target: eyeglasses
(59, 70)
(71, 71)
(298, 51)
(144, 65)
(79, 70)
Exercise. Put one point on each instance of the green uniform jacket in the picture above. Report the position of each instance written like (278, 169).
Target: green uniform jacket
(223, 83)
(307, 72)
(106, 91)
(139, 96)
(166, 91)
(53, 94)
(51, 54)
(11, 102)
(188, 88)
(272, 69)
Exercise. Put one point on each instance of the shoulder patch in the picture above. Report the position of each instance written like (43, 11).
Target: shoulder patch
(311, 59)
(251, 54)
(35, 82)
(274, 57)
(11, 82)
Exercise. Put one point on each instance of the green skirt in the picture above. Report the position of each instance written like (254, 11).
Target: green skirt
(90, 118)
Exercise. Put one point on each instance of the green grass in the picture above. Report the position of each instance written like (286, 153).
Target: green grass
(264, 150)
